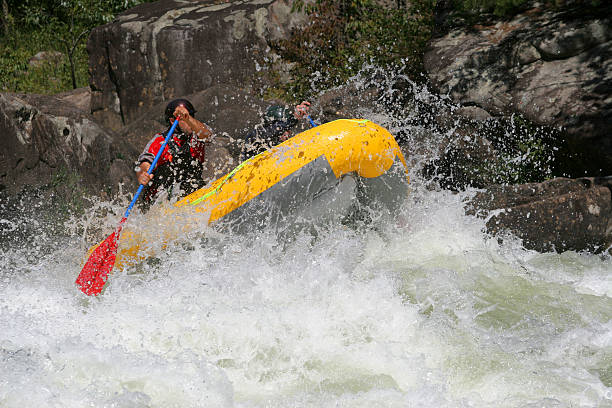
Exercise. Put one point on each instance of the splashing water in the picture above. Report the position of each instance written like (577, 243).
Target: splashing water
(422, 310)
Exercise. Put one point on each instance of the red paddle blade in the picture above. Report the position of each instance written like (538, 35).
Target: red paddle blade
(92, 278)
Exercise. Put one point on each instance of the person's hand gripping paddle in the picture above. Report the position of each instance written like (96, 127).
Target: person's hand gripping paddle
(94, 275)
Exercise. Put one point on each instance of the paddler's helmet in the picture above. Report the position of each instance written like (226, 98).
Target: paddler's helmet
(278, 113)
(281, 117)
(170, 108)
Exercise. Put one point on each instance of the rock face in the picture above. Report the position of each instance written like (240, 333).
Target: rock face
(555, 68)
(80, 98)
(43, 136)
(559, 214)
(170, 48)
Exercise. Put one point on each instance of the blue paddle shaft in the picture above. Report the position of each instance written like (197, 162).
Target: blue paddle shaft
(312, 123)
(157, 156)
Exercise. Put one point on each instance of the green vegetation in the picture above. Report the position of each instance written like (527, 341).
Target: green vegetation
(68, 193)
(32, 26)
(497, 7)
(521, 152)
(527, 151)
(343, 35)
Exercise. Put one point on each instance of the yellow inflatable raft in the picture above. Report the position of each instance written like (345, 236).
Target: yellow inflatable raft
(314, 174)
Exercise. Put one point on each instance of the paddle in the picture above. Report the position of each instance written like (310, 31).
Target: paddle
(92, 278)
(312, 123)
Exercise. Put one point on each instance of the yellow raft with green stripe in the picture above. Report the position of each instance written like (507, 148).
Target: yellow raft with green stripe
(316, 174)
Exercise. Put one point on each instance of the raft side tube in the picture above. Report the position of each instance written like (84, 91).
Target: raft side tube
(349, 145)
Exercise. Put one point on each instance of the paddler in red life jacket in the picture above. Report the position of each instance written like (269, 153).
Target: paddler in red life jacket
(182, 161)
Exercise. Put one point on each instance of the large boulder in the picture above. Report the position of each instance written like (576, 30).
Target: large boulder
(553, 67)
(559, 214)
(45, 138)
(158, 51)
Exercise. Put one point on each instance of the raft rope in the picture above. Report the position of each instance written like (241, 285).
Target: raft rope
(225, 179)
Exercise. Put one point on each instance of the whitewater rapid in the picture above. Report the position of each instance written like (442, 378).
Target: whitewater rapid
(424, 310)
(419, 309)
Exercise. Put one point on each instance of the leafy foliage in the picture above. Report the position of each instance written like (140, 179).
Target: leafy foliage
(505, 150)
(527, 151)
(343, 35)
(497, 7)
(31, 26)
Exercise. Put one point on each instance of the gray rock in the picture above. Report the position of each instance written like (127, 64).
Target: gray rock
(158, 51)
(571, 39)
(43, 137)
(46, 57)
(554, 68)
(80, 98)
(474, 113)
(346, 102)
(559, 214)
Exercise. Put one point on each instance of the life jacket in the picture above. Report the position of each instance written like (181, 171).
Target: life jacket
(181, 163)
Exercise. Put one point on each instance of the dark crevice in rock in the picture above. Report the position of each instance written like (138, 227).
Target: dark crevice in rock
(18, 164)
(115, 81)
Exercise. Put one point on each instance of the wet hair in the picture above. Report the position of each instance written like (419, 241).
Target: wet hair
(171, 107)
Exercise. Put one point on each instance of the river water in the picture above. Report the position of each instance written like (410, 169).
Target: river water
(422, 309)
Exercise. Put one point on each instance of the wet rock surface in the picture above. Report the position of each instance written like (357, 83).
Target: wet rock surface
(44, 137)
(559, 214)
(554, 67)
(167, 49)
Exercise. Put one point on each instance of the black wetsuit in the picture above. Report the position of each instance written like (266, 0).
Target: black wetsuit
(181, 163)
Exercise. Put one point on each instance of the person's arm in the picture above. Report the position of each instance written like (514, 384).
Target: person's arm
(201, 131)
(301, 110)
(147, 157)
(141, 174)
(283, 132)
